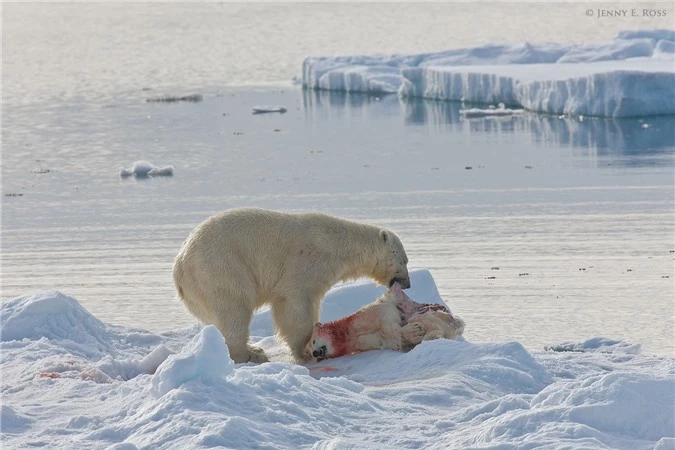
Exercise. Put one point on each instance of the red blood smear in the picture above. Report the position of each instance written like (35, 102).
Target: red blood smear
(49, 375)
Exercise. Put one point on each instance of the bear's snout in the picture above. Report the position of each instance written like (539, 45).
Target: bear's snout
(321, 352)
(404, 282)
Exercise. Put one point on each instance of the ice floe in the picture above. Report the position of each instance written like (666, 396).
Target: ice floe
(631, 75)
(72, 381)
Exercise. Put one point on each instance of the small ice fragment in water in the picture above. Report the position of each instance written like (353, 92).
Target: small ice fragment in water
(144, 169)
(269, 109)
(161, 171)
(500, 110)
(193, 98)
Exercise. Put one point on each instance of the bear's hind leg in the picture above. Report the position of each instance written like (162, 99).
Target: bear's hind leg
(233, 322)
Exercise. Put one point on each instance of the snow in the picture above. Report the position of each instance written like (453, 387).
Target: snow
(631, 75)
(144, 169)
(72, 381)
(205, 358)
(269, 109)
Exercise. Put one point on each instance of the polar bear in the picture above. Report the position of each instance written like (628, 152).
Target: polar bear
(239, 260)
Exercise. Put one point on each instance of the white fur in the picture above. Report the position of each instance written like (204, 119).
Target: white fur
(241, 259)
(394, 321)
(439, 325)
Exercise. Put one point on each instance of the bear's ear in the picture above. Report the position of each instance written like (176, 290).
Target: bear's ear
(384, 235)
(317, 325)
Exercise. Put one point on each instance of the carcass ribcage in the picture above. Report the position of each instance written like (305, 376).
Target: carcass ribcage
(409, 308)
(421, 308)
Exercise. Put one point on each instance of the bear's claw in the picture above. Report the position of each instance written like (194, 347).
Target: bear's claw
(413, 333)
(257, 355)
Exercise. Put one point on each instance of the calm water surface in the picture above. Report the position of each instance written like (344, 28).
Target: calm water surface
(536, 229)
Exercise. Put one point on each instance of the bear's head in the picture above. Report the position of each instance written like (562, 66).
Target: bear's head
(392, 266)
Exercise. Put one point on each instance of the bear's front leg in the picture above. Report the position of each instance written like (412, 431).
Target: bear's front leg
(295, 321)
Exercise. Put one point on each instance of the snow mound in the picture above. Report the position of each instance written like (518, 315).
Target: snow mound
(597, 412)
(68, 341)
(610, 402)
(269, 109)
(205, 358)
(118, 367)
(12, 422)
(636, 79)
(50, 315)
(144, 169)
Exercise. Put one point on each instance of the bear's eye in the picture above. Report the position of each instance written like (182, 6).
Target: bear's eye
(313, 342)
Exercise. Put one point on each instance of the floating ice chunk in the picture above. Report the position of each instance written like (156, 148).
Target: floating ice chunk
(166, 171)
(482, 84)
(141, 168)
(500, 110)
(192, 98)
(144, 169)
(375, 79)
(562, 78)
(617, 93)
(382, 73)
(205, 358)
(632, 88)
(269, 109)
